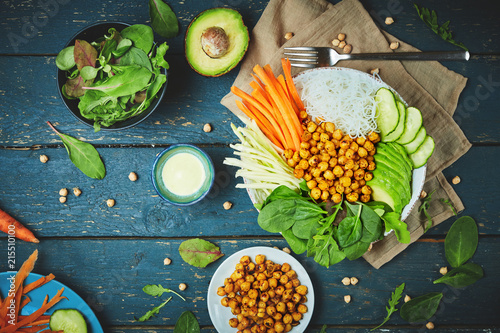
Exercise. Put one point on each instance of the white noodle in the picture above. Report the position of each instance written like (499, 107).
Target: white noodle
(345, 98)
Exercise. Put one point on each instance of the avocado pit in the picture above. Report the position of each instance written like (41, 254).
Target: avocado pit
(214, 42)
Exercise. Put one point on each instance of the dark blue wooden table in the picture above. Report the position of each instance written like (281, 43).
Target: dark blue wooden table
(108, 254)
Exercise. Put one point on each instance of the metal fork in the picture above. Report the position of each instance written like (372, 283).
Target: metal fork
(311, 57)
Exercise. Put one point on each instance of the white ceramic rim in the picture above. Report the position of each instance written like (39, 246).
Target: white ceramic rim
(220, 315)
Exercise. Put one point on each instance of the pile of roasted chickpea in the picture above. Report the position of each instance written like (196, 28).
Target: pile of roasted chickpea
(334, 164)
(264, 296)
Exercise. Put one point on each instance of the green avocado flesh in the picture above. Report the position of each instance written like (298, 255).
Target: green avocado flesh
(231, 22)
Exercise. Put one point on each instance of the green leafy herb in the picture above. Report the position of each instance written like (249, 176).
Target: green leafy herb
(136, 56)
(128, 80)
(395, 297)
(158, 290)
(356, 250)
(85, 54)
(421, 308)
(424, 206)
(462, 276)
(83, 155)
(74, 87)
(448, 202)
(153, 311)
(187, 323)
(392, 222)
(443, 31)
(323, 329)
(199, 252)
(350, 229)
(65, 60)
(163, 19)
(461, 241)
(141, 36)
(297, 244)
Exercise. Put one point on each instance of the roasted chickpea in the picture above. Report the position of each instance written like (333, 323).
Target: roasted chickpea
(362, 152)
(349, 153)
(269, 322)
(285, 267)
(359, 174)
(279, 327)
(342, 160)
(297, 316)
(296, 297)
(371, 166)
(284, 279)
(313, 161)
(304, 145)
(337, 198)
(354, 185)
(320, 146)
(333, 162)
(302, 308)
(232, 303)
(337, 134)
(369, 146)
(323, 166)
(306, 136)
(229, 288)
(328, 174)
(363, 163)
(291, 163)
(298, 173)
(288, 154)
(311, 127)
(221, 291)
(315, 193)
(301, 290)
(345, 181)
(329, 127)
(287, 318)
(307, 177)
(352, 197)
(225, 301)
(349, 173)
(281, 307)
(314, 150)
(323, 185)
(233, 322)
(260, 259)
(296, 157)
(366, 190)
(324, 137)
(374, 137)
(349, 164)
(316, 136)
(368, 176)
(253, 293)
(338, 171)
(325, 195)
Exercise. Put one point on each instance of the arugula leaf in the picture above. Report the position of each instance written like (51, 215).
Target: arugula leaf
(163, 19)
(424, 206)
(187, 323)
(153, 311)
(448, 202)
(443, 31)
(158, 290)
(462, 276)
(198, 252)
(83, 155)
(323, 329)
(395, 297)
(158, 60)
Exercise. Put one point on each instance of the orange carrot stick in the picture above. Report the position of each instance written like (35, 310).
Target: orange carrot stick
(287, 69)
(38, 283)
(25, 301)
(20, 231)
(282, 82)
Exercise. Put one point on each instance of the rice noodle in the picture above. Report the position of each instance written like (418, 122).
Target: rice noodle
(343, 97)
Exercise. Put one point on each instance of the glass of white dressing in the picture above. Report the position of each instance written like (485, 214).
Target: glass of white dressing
(182, 174)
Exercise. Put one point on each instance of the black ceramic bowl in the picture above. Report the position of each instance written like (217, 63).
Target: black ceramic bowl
(89, 34)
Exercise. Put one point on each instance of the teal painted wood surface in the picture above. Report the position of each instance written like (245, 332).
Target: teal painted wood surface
(109, 275)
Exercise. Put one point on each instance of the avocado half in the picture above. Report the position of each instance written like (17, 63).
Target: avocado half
(216, 41)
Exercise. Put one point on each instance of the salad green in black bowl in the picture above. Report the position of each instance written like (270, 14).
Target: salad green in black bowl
(112, 75)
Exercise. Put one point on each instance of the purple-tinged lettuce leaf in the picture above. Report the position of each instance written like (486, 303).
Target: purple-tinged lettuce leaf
(74, 87)
(85, 54)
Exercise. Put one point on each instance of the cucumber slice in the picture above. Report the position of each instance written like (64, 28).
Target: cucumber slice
(68, 320)
(419, 139)
(401, 125)
(420, 157)
(387, 112)
(412, 125)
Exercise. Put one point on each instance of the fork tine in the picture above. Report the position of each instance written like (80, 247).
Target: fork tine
(303, 65)
(304, 54)
(301, 48)
(313, 60)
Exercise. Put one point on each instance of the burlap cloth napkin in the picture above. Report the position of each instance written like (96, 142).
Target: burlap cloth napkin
(429, 86)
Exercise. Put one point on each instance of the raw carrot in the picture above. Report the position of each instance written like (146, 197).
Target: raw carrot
(282, 82)
(38, 283)
(25, 301)
(21, 231)
(287, 69)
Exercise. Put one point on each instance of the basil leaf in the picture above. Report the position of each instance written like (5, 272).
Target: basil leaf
(461, 241)
(297, 245)
(141, 35)
(392, 222)
(163, 19)
(85, 54)
(136, 56)
(356, 250)
(65, 60)
(350, 229)
(158, 290)
(83, 155)
(187, 323)
(127, 81)
(462, 276)
(421, 308)
(395, 297)
(153, 311)
(198, 252)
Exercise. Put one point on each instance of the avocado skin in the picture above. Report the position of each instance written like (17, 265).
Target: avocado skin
(238, 56)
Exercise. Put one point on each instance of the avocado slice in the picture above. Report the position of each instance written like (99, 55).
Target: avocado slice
(395, 169)
(383, 191)
(402, 152)
(393, 157)
(394, 178)
(216, 41)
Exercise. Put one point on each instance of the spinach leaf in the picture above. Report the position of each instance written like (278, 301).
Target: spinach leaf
(136, 56)
(305, 229)
(392, 222)
(65, 60)
(158, 290)
(350, 229)
(372, 223)
(163, 19)
(141, 35)
(461, 241)
(83, 155)
(187, 323)
(122, 47)
(356, 250)
(462, 276)
(198, 252)
(297, 245)
(395, 297)
(281, 192)
(421, 308)
(128, 80)
(153, 311)
(85, 54)
(327, 252)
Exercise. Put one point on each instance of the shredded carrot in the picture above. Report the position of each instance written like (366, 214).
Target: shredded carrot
(38, 283)
(287, 69)
(282, 82)
(25, 301)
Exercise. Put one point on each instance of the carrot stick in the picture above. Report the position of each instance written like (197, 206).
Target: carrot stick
(38, 283)
(17, 303)
(282, 82)
(34, 316)
(276, 132)
(40, 322)
(287, 69)
(21, 231)
(25, 301)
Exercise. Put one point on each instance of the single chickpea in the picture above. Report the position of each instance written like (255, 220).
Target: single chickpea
(132, 176)
(233, 322)
(311, 127)
(298, 173)
(325, 195)
(374, 137)
(62, 199)
(335, 42)
(389, 20)
(443, 270)
(371, 166)
(349, 173)
(315, 193)
(44, 158)
(328, 174)
(346, 281)
(394, 45)
(366, 190)
(63, 192)
(354, 281)
(167, 261)
(289, 35)
(365, 198)
(350, 164)
(227, 205)
(352, 196)
(430, 325)
(362, 152)
(347, 48)
(297, 316)
(301, 290)
(207, 128)
(77, 191)
(368, 176)
(302, 308)
(456, 180)
(345, 181)
(375, 71)
(341, 36)
(182, 286)
(110, 202)
(407, 298)
(347, 298)
(285, 267)
(337, 198)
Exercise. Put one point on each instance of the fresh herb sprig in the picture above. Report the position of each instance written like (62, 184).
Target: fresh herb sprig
(395, 297)
(448, 202)
(430, 19)
(158, 290)
(423, 208)
(154, 311)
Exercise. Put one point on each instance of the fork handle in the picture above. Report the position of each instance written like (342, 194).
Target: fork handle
(433, 55)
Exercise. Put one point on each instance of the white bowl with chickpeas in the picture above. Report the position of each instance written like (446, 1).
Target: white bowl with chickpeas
(260, 286)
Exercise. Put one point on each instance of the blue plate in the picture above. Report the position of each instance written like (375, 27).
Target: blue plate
(51, 288)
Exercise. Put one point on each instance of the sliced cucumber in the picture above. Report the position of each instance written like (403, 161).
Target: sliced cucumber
(401, 125)
(68, 320)
(412, 125)
(420, 157)
(419, 139)
(387, 112)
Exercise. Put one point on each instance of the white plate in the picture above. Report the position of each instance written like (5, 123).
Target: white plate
(220, 315)
(418, 176)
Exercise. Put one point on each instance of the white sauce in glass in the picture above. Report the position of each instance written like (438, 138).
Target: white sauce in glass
(183, 174)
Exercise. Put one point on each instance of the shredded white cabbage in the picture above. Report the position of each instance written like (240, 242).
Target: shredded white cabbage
(345, 98)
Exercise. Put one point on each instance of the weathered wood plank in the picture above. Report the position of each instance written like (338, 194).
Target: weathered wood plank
(30, 97)
(29, 191)
(109, 275)
(336, 328)
(31, 27)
